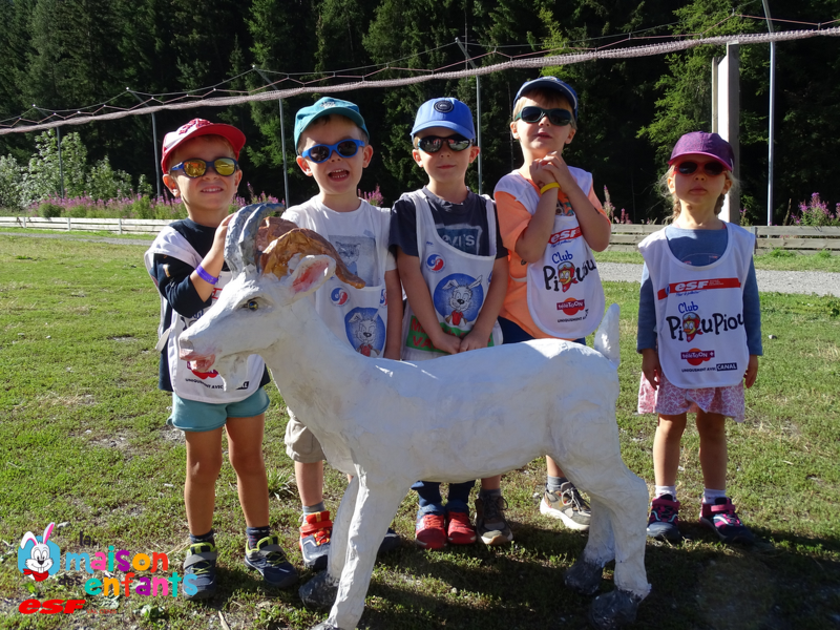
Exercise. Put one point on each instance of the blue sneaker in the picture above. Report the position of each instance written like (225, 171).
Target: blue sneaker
(270, 560)
(664, 516)
(201, 562)
(390, 542)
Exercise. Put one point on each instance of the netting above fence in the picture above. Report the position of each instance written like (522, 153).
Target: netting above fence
(208, 98)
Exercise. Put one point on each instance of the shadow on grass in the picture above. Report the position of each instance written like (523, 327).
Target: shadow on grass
(783, 582)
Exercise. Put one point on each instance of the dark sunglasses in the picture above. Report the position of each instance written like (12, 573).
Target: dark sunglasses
(322, 152)
(433, 144)
(533, 114)
(713, 168)
(196, 167)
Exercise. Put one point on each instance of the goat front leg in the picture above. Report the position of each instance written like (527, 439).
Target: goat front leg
(321, 591)
(376, 503)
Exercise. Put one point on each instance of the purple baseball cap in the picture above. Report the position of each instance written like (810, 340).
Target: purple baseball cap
(702, 143)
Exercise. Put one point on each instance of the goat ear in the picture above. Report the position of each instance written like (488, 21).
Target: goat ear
(310, 273)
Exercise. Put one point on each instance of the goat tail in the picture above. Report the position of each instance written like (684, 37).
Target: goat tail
(606, 337)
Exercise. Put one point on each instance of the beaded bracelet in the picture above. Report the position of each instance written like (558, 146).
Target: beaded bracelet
(549, 187)
(206, 276)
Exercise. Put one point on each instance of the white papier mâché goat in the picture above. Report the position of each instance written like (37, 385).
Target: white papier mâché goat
(457, 418)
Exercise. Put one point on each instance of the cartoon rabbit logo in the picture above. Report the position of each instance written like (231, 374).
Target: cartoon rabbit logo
(35, 556)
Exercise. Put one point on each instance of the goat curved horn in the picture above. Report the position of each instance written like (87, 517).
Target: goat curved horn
(241, 237)
(278, 255)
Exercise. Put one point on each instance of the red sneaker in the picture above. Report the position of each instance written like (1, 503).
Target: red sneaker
(458, 529)
(430, 532)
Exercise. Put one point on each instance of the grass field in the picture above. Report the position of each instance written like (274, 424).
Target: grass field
(84, 444)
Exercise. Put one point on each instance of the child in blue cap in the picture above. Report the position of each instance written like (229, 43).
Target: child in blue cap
(454, 272)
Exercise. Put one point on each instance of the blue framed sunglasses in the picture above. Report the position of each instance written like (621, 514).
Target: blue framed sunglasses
(322, 152)
(196, 167)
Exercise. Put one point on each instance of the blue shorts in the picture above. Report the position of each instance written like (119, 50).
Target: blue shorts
(192, 415)
(513, 333)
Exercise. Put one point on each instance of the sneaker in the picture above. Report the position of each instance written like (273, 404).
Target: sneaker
(270, 560)
(390, 542)
(201, 562)
(663, 520)
(315, 536)
(458, 529)
(490, 522)
(721, 518)
(568, 506)
(430, 531)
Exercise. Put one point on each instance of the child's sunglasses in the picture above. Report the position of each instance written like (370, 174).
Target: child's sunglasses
(433, 144)
(196, 167)
(533, 114)
(322, 152)
(713, 168)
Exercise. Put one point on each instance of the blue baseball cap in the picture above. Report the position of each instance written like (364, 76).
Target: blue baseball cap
(554, 84)
(449, 113)
(325, 107)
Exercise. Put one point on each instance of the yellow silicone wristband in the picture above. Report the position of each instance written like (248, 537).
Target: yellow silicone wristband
(549, 187)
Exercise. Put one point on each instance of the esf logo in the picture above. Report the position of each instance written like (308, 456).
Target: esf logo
(435, 263)
(51, 606)
(383, 298)
(564, 235)
(339, 296)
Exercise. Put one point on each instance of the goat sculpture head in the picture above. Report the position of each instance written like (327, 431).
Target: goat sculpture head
(274, 263)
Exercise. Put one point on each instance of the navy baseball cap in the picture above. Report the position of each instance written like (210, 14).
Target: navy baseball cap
(554, 84)
(449, 113)
(702, 143)
(200, 127)
(325, 107)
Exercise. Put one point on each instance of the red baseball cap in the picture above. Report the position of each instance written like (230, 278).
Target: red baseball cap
(200, 127)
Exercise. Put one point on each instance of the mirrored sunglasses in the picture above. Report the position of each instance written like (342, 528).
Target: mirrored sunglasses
(196, 167)
(433, 144)
(713, 168)
(322, 152)
(533, 114)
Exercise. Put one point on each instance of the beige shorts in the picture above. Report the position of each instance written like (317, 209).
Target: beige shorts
(301, 445)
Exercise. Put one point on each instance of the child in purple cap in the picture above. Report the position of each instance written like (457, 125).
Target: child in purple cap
(699, 331)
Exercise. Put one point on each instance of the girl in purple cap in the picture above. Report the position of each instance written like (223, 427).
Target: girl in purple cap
(699, 331)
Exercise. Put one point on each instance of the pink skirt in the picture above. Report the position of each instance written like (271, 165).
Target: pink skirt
(670, 400)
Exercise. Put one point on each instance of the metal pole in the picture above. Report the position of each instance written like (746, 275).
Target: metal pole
(60, 164)
(282, 141)
(154, 142)
(477, 109)
(772, 121)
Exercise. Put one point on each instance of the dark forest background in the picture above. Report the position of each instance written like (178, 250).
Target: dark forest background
(61, 54)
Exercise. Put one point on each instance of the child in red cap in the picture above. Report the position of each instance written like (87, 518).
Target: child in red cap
(186, 262)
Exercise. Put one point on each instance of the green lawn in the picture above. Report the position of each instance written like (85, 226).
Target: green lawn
(84, 444)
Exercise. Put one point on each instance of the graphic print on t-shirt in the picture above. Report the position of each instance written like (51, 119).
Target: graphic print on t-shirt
(463, 237)
(359, 254)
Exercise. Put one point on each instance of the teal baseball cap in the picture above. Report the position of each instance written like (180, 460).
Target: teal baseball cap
(449, 113)
(324, 107)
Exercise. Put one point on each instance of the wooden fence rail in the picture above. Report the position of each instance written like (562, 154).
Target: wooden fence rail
(804, 240)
